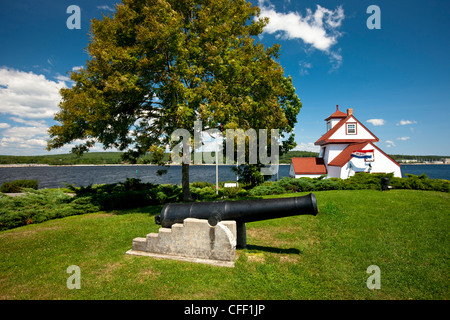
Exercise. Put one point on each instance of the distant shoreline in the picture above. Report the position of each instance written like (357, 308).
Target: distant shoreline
(19, 165)
(26, 165)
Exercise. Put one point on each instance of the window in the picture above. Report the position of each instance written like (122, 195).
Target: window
(350, 128)
(328, 125)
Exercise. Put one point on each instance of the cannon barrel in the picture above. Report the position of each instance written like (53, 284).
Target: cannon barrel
(241, 211)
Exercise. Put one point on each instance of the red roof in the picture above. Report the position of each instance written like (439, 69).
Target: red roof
(309, 166)
(337, 114)
(346, 154)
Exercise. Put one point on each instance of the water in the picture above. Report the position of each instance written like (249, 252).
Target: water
(433, 171)
(54, 177)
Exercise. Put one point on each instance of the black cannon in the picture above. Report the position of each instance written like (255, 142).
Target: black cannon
(241, 211)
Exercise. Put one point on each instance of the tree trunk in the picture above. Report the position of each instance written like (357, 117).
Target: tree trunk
(185, 182)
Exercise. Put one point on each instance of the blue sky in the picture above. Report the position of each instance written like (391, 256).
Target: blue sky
(396, 79)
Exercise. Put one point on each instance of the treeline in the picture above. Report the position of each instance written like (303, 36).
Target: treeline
(115, 158)
(426, 158)
(109, 158)
(65, 159)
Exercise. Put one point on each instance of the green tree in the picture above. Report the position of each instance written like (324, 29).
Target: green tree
(159, 65)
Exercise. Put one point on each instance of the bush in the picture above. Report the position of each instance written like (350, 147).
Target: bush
(420, 182)
(206, 194)
(37, 206)
(356, 182)
(365, 180)
(201, 184)
(129, 194)
(17, 186)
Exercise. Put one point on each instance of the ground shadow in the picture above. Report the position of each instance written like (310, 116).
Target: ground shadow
(253, 248)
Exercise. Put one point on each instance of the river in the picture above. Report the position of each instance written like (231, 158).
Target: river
(56, 176)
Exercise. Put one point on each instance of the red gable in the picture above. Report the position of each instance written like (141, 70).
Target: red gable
(345, 156)
(326, 137)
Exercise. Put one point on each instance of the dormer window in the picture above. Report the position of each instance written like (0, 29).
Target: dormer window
(350, 128)
(328, 125)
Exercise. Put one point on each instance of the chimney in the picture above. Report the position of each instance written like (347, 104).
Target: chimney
(349, 112)
(337, 107)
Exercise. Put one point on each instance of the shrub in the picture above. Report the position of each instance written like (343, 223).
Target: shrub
(201, 184)
(18, 185)
(357, 182)
(206, 193)
(37, 206)
(132, 193)
(420, 182)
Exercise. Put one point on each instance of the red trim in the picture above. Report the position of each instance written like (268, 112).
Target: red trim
(341, 159)
(338, 141)
(386, 155)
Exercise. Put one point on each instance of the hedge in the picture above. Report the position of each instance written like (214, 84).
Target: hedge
(17, 186)
(356, 182)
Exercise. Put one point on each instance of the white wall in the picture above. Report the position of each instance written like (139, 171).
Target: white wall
(307, 175)
(334, 172)
(381, 164)
(334, 122)
(291, 171)
(332, 151)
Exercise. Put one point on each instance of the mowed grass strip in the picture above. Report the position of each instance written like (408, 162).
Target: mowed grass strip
(404, 232)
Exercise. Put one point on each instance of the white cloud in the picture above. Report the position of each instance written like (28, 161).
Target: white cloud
(33, 123)
(318, 28)
(28, 95)
(76, 68)
(403, 138)
(406, 122)
(15, 139)
(60, 77)
(30, 101)
(390, 143)
(304, 67)
(336, 59)
(308, 146)
(376, 122)
(105, 7)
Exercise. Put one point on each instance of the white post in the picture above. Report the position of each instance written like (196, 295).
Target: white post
(217, 167)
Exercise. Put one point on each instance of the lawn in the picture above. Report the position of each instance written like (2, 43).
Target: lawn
(403, 232)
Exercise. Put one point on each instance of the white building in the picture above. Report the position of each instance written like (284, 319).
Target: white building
(347, 148)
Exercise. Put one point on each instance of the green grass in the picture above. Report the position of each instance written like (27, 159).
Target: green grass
(404, 232)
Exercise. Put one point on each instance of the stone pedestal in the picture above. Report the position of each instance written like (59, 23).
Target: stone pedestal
(195, 240)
